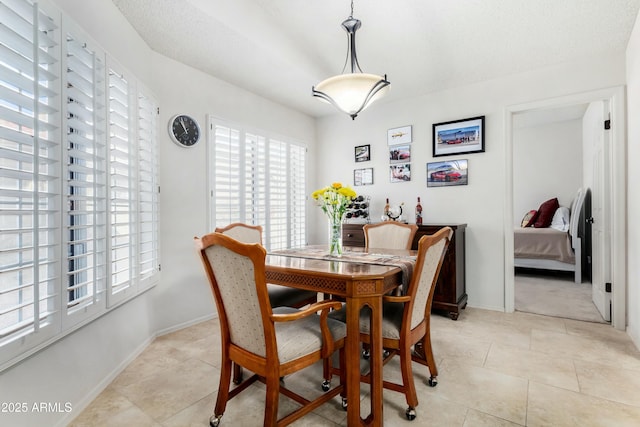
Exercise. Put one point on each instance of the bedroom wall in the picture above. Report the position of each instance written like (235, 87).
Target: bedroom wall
(482, 203)
(633, 183)
(545, 166)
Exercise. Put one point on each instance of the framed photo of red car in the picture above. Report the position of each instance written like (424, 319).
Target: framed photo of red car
(444, 174)
(458, 137)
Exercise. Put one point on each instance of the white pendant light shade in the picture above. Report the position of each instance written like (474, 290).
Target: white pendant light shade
(355, 91)
(352, 92)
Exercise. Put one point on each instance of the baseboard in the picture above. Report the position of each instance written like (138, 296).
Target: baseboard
(635, 336)
(180, 326)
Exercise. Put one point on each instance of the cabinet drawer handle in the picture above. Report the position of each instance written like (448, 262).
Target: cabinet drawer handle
(349, 235)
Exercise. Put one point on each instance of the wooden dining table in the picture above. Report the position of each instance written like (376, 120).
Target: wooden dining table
(360, 277)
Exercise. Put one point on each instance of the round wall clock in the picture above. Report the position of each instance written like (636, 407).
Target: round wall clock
(184, 130)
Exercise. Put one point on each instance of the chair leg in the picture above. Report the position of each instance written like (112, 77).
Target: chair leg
(271, 401)
(326, 373)
(237, 373)
(424, 350)
(343, 377)
(407, 378)
(223, 390)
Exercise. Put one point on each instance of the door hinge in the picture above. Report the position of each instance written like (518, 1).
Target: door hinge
(607, 287)
(158, 110)
(607, 124)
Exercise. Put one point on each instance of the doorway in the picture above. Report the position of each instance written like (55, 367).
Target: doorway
(614, 97)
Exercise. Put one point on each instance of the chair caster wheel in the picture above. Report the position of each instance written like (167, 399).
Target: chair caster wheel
(215, 421)
(433, 381)
(366, 354)
(344, 403)
(410, 413)
(385, 354)
(326, 385)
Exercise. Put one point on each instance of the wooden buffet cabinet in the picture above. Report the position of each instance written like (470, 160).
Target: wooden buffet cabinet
(450, 294)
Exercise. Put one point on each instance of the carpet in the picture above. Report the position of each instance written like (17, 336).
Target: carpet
(555, 295)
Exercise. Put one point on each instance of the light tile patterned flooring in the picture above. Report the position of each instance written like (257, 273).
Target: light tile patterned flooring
(496, 369)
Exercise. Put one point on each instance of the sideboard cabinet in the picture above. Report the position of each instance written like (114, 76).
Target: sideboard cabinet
(450, 295)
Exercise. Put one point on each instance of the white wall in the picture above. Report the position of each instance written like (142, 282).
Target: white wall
(633, 183)
(481, 204)
(78, 367)
(546, 165)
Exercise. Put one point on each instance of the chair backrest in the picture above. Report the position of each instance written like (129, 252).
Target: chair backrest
(389, 235)
(236, 273)
(431, 252)
(244, 233)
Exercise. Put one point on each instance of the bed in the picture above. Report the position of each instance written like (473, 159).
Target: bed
(551, 249)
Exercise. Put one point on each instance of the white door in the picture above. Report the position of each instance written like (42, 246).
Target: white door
(598, 137)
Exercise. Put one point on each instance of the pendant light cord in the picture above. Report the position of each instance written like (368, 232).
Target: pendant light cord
(351, 16)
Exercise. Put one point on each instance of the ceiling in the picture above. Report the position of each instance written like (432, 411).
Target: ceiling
(279, 49)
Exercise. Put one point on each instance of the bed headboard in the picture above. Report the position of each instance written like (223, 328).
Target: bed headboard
(576, 210)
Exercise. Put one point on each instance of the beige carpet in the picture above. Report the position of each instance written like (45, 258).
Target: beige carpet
(555, 295)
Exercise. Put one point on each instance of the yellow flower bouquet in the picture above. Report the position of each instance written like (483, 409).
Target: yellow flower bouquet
(334, 201)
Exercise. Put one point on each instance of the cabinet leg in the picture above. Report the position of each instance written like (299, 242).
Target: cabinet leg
(453, 315)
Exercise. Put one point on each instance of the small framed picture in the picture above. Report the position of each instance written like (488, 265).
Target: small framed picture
(458, 137)
(363, 176)
(444, 174)
(400, 172)
(399, 153)
(401, 135)
(363, 153)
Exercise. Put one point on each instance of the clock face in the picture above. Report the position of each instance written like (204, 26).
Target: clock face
(184, 130)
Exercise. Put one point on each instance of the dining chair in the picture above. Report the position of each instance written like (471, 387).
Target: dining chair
(270, 342)
(389, 235)
(406, 319)
(279, 295)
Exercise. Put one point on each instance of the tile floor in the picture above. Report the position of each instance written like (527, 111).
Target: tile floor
(496, 369)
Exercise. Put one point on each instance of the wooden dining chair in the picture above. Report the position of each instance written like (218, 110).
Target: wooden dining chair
(271, 342)
(389, 235)
(279, 295)
(406, 319)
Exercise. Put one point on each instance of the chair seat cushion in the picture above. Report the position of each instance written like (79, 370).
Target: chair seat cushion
(281, 296)
(391, 319)
(301, 337)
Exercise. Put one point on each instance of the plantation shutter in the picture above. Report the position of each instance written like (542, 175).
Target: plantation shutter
(226, 173)
(278, 224)
(122, 190)
(255, 179)
(29, 177)
(149, 204)
(85, 171)
(298, 195)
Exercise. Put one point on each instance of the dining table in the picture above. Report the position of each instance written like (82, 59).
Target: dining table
(360, 277)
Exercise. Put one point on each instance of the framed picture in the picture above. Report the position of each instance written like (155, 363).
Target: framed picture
(400, 135)
(458, 137)
(444, 174)
(363, 176)
(363, 153)
(399, 153)
(400, 172)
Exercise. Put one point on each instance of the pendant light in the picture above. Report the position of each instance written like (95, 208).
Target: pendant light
(352, 92)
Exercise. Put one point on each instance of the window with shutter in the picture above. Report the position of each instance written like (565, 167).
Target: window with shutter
(78, 188)
(122, 189)
(259, 180)
(29, 177)
(148, 188)
(85, 171)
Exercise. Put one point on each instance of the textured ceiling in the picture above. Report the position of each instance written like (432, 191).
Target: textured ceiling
(280, 48)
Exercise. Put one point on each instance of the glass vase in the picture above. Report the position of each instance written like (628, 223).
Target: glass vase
(335, 237)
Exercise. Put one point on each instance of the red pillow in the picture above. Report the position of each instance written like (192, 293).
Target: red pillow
(546, 212)
(529, 218)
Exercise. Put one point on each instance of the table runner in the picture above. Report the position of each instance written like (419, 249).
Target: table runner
(404, 262)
